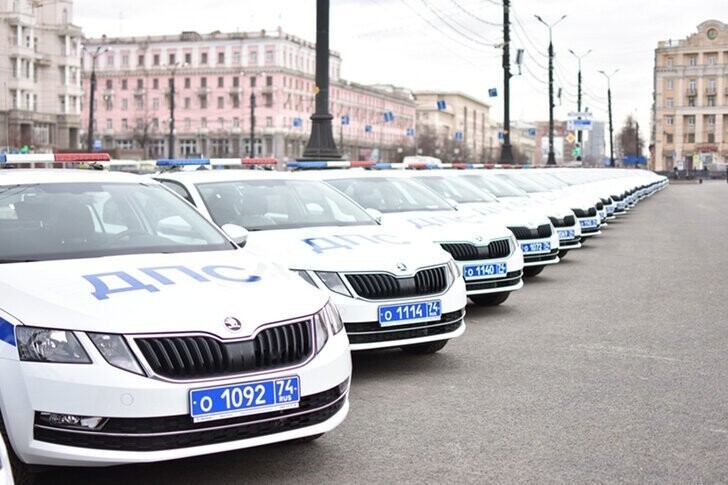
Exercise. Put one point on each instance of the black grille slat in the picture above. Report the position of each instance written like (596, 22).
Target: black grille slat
(202, 356)
(524, 233)
(585, 213)
(469, 252)
(382, 286)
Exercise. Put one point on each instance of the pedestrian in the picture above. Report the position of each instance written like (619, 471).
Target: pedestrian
(676, 173)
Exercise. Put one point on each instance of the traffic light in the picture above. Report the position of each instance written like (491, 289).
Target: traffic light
(576, 152)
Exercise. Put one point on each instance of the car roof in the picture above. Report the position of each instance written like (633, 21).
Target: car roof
(197, 176)
(348, 173)
(65, 175)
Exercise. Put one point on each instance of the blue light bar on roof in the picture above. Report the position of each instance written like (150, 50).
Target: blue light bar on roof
(171, 162)
(3, 158)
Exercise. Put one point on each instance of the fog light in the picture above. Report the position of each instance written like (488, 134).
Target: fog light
(72, 421)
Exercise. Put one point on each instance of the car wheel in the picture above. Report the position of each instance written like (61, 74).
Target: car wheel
(422, 349)
(490, 299)
(531, 271)
(23, 474)
(563, 253)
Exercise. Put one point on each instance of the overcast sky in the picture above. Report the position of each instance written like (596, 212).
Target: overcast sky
(449, 44)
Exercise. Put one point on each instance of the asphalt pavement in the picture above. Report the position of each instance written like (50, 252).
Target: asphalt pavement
(608, 367)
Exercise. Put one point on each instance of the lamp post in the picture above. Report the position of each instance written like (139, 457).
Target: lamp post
(170, 148)
(609, 107)
(578, 97)
(253, 82)
(90, 135)
(552, 158)
(321, 144)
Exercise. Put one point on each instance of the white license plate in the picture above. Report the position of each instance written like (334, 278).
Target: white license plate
(567, 234)
(475, 271)
(536, 247)
(410, 312)
(588, 223)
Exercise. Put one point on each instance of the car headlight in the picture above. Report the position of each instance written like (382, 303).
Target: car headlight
(454, 269)
(116, 352)
(49, 345)
(306, 277)
(328, 323)
(333, 282)
(514, 242)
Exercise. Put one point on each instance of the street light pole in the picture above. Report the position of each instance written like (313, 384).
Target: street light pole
(609, 107)
(252, 123)
(90, 135)
(578, 98)
(506, 150)
(552, 158)
(321, 144)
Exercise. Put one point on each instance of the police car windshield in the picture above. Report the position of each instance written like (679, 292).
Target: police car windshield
(271, 204)
(524, 184)
(41, 222)
(390, 194)
(494, 186)
(457, 190)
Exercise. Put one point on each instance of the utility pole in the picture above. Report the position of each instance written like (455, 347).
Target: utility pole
(252, 120)
(506, 151)
(609, 107)
(170, 141)
(637, 142)
(552, 158)
(578, 99)
(90, 135)
(321, 145)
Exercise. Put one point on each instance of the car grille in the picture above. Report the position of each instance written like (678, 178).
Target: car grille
(500, 248)
(567, 221)
(600, 206)
(617, 198)
(585, 213)
(510, 279)
(521, 232)
(369, 332)
(172, 432)
(196, 357)
(607, 201)
(383, 286)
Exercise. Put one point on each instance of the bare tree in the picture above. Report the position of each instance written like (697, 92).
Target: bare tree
(627, 139)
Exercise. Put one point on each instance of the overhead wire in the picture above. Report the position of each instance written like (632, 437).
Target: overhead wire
(487, 22)
(476, 37)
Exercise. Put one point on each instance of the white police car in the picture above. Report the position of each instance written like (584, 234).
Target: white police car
(133, 330)
(392, 289)
(488, 255)
(538, 239)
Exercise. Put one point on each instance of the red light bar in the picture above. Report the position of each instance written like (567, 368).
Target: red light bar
(259, 161)
(363, 163)
(82, 157)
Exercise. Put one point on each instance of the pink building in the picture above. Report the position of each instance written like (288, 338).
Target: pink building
(214, 77)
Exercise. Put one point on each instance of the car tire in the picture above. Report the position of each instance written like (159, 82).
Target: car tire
(423, 349)
(490, 299)
(23, 474)
(531, 271)
(563, 253)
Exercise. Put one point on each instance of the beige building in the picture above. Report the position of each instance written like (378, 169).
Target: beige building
(460, 131)
(40, 76)
(690, 113)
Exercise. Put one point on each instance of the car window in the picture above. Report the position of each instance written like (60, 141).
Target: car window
(78, 220)
(390, 194)
(178, 189)
(450, 188)
(279, 204)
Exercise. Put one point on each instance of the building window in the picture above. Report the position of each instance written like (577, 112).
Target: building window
(220, 102)
(172, 59)
(669, 62)
(203, 58)
(253, 81)
(203, 102)
(156, 59)
(668, 103)
(203, 122)
(220, 82)
(188, 58)
(125, 60)
(203, 82)
(236, 82)
(269, 81)
(139, 124)
(236, 102)
(188, 83)
(221, 58)
(220, 124)
(108, 103)
(139, 102)
(140, 83)
(711, 100)
(253, 58)
(155, 123)
(155, 103)
(236, 122)
(691, 86)
(711, 137)
(669, 84)
(269, 121)
(188, 146)
(690, 138)
(691, 101)
(124, 124)
(236, 57)
(710, 119)
(691, 120)
(669, 120)
(110, 60)
(109, 84)
(124, 104)
(668, 138)
(188, 103)
(188, 123)
(712, 60)
(140, 60)
(268, 100)
(711, 86)
(124, 85)
(109, 124)
(693, 60)
(155, 83)
(269, 57)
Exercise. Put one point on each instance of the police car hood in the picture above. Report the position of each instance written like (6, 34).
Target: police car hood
(503, 215)
(347, 248)
(546, 207)
(155, 293)
(447, 226)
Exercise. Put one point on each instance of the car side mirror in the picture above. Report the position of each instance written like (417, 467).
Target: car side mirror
(238, 234)
(375, 214)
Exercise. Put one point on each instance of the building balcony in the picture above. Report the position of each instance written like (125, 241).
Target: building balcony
(203, 131)
(235, 91)
(43, 60)
(140, 92)
(236, 130)
(266, 89)
(203, 91)
(107, 93)
(691, 91)
(710, 91)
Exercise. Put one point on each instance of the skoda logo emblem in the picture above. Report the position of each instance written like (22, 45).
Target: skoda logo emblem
(478, 238)
(233, 324)
(401, 266)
